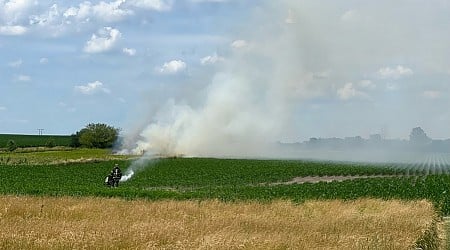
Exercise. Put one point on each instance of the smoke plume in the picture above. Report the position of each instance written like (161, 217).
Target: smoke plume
(246, 106)
(292, 59)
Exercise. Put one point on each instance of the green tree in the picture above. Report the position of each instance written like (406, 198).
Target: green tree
(11, 145)
(75, 140)
(98, 135)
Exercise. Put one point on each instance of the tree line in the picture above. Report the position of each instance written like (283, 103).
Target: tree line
(418, 141)
(94, 135)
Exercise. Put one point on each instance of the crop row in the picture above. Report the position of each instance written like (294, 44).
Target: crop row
(194, 172)
(224, 180)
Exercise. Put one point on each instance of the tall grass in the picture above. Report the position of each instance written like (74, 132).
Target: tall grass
(95, 223)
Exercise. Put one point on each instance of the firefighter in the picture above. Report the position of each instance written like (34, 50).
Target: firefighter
(109, 180)
(116, 175)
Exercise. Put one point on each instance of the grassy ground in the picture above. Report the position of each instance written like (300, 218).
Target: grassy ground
(58, 155)
(95, 223)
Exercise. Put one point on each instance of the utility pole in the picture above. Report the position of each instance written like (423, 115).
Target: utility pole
(40, 131)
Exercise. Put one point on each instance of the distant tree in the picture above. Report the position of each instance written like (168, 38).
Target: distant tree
(11, 145)
(98, 135)
(75, 140)
(355, 141)
(313, 140)
(376, 138)
(419, 137)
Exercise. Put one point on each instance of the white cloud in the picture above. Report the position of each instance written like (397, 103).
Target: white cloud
(92, 88)
(2, 108)
(158, 5)
(394, 73)
(239, 44)
(23, 78)
(18, 5)
(71, 12)
(209, 1)
(15, 64)
(43, 60)
(12, 30)
(113, 11)
(108, 12)
(50, 17)
(211, 59)
(172, 67)
(348, 91)
(129, 51)
(103, 41)
(15, 10)
(431, 94)
(367, 84)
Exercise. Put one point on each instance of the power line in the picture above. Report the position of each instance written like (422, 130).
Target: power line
(40, 130)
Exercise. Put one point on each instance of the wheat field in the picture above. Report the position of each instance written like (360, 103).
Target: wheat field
(101, 223)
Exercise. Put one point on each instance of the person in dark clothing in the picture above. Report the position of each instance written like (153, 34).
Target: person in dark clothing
(116, 175)
(109, 180)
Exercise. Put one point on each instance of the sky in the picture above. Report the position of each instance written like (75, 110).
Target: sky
(288, 70)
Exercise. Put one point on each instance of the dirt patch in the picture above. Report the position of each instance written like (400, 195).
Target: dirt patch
(316, 179)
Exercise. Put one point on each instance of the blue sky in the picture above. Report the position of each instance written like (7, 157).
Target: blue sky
(52, 78)
(314, 68)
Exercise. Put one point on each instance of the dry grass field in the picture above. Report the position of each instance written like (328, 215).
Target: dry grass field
(98, 223)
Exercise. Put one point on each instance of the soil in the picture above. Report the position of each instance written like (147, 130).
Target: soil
(316, 179)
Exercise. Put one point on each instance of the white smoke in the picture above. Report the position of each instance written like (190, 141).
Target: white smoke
(247, 106)
(295, 52)
(128, 174)
(137, 166)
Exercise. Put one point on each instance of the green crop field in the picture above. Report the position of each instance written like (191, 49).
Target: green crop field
(224, 179)
(34, 140)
